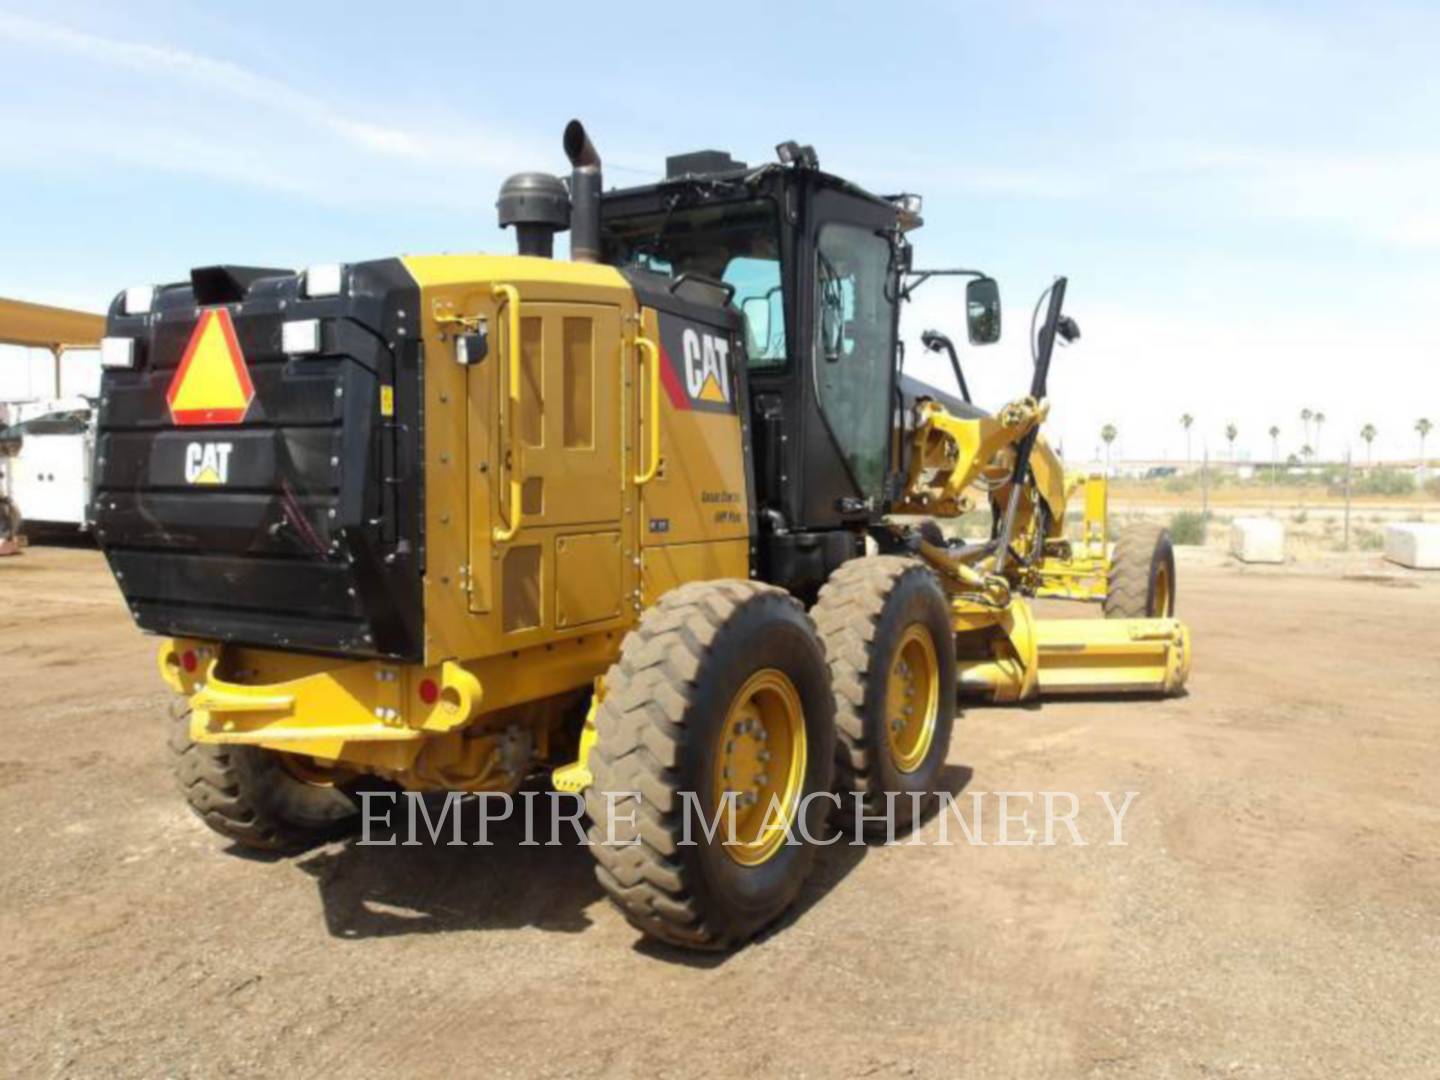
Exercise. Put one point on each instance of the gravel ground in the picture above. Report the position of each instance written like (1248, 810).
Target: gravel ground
(1275, 910)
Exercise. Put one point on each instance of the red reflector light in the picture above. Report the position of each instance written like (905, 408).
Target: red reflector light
(188, 660)
(429, 692)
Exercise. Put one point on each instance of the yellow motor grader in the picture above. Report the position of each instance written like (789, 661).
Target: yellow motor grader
(664, 518)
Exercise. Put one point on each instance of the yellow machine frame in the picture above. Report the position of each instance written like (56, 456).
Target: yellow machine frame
(492, 699)
(505, 695)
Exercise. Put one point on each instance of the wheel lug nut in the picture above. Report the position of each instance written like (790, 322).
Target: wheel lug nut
(761, 780)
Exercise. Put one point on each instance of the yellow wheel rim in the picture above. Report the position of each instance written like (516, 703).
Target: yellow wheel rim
(1162, 591)
(760, 758)
(912, 699)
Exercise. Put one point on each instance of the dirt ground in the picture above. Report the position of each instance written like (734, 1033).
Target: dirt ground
(1275, 911)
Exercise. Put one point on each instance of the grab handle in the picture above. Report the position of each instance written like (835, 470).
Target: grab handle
(651, 353)
(511, 295)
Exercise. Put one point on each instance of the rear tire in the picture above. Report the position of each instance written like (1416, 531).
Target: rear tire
(1141, 583)
(891, 649)
(248, 795)
(709, 667)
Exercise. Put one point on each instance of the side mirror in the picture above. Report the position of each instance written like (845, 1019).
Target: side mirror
(982, 311)
(756, 310)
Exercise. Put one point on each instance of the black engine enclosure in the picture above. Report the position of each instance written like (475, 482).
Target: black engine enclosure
(313, 541)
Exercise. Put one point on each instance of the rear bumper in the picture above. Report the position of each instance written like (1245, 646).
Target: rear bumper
(313, 705)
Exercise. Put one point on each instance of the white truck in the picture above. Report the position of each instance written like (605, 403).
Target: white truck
(45, 457)
(45, 445)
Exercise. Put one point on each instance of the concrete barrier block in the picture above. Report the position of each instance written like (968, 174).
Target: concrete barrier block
(1257, 540)
(1413, 545)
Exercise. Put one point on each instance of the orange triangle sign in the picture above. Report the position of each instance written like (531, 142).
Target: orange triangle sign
(212, 384)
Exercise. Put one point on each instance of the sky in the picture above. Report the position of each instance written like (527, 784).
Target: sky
(1246, 197)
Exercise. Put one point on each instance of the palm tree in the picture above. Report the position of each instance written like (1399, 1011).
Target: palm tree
(1422, 427)
(1319, 423)
(1185, 421)
(1306, 452)
(1305, 415)
(1108, 433)
(1368, 433)
(1230, 432)
(1274, 450)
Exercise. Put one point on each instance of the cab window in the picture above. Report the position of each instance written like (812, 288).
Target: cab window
(761, 301)
(735, 242)
(854, 345)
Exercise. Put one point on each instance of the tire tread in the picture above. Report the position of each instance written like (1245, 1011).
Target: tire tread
(1127, 594)
(641, 738)
(848, 615)
(222, 794)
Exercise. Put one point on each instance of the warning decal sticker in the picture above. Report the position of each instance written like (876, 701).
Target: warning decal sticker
(212, 384)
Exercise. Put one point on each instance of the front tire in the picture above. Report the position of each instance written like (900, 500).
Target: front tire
(721, 688)
(891, 649)
(1141, 582)
(255, 797)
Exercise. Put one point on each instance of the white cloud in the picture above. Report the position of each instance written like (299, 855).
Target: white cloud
(284, 139)
(223, 77)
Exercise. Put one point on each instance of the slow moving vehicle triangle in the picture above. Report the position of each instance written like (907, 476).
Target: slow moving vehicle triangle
(212, 384)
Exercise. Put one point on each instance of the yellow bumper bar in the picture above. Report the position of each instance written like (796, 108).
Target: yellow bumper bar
(302, 702)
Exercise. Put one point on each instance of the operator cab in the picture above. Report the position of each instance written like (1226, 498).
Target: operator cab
(817, 268)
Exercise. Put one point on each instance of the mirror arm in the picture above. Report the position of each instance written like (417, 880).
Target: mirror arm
(935, 341)
(916, 278)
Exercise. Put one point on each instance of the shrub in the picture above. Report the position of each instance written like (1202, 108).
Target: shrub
(1385, 482)
(1181, 485)
(1187, 527)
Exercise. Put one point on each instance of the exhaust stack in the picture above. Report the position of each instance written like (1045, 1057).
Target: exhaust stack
(585, 182)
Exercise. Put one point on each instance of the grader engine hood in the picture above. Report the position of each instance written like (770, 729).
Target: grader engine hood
(257, 470)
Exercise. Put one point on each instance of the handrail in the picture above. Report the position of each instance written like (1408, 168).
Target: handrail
(503, 533)
(651, 353)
